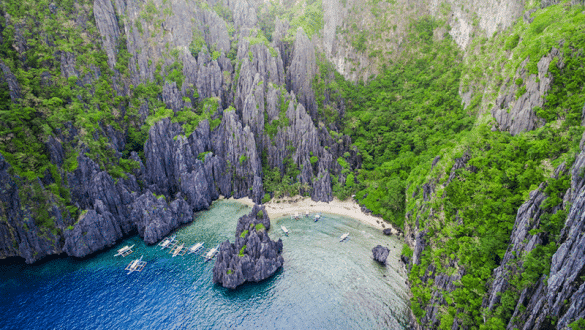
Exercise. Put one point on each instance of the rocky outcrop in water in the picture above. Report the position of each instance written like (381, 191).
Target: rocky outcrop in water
(380, 254)
(95, 230)
(253, 257)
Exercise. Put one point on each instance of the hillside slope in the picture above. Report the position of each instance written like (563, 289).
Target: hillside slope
(459, 121)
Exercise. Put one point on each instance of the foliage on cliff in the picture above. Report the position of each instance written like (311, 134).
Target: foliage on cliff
(471, 211)
(404, 117)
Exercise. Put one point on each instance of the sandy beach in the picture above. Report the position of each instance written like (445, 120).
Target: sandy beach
(277, 208)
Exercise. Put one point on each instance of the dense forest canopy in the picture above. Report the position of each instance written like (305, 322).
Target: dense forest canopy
(446, 140)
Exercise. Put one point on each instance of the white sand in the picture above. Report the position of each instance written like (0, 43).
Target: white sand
(289, 206)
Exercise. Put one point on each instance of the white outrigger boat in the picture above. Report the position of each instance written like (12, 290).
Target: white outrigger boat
(124, 251)
(211, 254)
(167, 242)
(136, 266)
(284, 230)
(344, 236)
(317, 217)
(180, 249)
(195, 248)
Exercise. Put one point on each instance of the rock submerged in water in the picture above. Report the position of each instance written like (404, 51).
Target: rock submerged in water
(253, 257)
(380, 254)
(388, 231)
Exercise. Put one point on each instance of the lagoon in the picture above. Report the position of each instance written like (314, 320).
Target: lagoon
(324, 284)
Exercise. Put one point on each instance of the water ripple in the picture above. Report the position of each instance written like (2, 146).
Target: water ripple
(324, 284)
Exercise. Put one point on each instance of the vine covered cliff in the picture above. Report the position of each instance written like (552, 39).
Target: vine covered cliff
(460, 122)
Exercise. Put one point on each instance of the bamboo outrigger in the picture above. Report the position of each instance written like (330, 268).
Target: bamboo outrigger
(135, 266)
(124, 251)
(211, 254)
(168, 242)
(195, 248)
(179, 249)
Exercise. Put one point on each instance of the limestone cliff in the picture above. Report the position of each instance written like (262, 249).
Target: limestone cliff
(253, 257)
(208, 58)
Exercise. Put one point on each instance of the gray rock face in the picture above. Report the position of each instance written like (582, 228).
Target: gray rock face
(517, 115)
(521, 242)
(19, 235)
(95, 230)
(154, 218)
(10, 79)
(301, 71)
(209, 77)
(56, 152)
(237, 146)
(244, 13)
(322, 190)
(563, 293)
(253, 257)
(172, 97)
(107, 23)
(262, 83)
(380, 254)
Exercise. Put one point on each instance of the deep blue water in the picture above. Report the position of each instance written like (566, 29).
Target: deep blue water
(324, 284)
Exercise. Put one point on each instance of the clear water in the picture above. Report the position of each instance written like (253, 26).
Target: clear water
(324, 284)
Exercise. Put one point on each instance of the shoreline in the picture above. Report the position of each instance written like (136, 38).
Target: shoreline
(278, 208)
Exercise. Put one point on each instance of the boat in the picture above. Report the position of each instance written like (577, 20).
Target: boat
(211, 254)
(307, 214)
(124, 251)
(284, 230)
(195, 248)
(296, 215)
(317, 217)
(344, 236)
(167, 242)
(179, 250)
(135, 266)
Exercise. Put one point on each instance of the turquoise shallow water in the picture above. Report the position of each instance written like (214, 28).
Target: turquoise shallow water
(324, 284)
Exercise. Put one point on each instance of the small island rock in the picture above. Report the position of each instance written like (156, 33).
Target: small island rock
(380, 254)
(253, 257)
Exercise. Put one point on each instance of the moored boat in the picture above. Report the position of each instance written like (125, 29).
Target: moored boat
(167, 242)
(211, 254)
(343, 237)
(124, 251)
(284, 230)
(136, 266)
(317, 217)
(195, 248)
(179, 250)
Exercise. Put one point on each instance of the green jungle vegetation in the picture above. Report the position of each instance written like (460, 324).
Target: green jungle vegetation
(79, 103)
(412, 113)
(400, 121)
